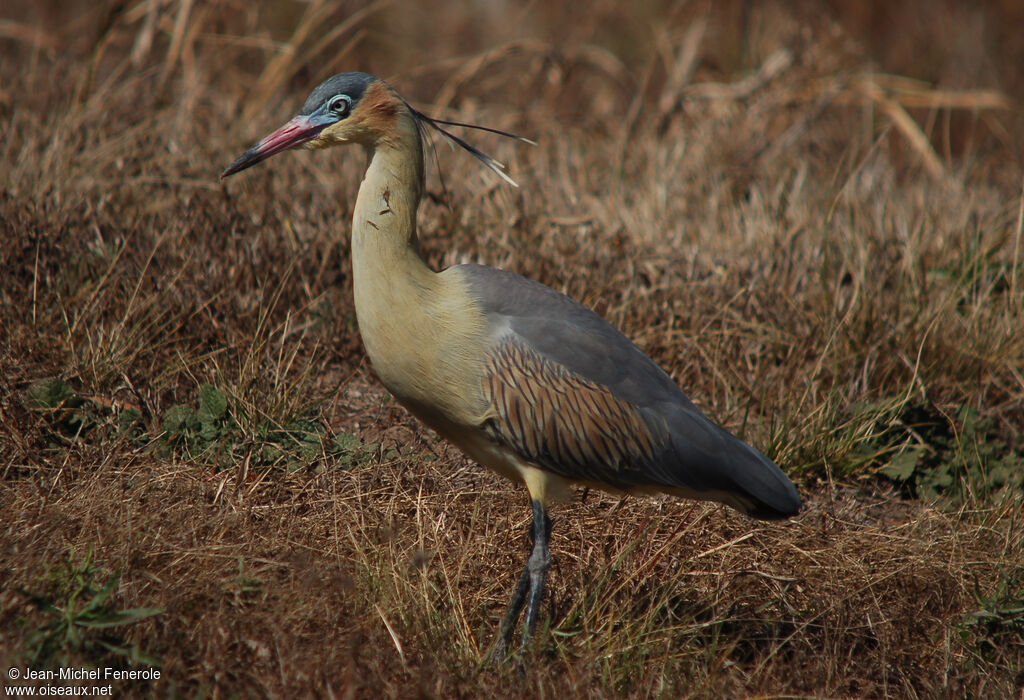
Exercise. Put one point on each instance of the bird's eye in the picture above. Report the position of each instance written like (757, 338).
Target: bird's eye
(340, 104)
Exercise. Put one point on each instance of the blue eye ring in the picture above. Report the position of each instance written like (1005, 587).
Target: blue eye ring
(339, 105)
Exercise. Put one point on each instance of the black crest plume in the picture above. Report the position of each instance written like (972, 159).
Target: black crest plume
(492, 164)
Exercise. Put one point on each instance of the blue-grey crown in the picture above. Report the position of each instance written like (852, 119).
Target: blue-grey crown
(351, 84)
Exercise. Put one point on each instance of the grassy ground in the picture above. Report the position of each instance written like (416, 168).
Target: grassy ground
(198, 469)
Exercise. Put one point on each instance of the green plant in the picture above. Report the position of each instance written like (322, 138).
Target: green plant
(71, 415)
(350, 451)
(185, 425)
(998, 622)
(291, 444)
(81, 617)
(68, 414)
(939, 457)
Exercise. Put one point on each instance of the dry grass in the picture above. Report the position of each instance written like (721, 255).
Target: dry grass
(828, 258)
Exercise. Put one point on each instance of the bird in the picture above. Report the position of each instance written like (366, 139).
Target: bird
(523, 379)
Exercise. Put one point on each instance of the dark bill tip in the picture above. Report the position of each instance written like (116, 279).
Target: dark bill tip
(295, 132)
(247, 159)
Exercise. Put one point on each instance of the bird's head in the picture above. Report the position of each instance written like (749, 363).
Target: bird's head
(355, 108)
(346, 108)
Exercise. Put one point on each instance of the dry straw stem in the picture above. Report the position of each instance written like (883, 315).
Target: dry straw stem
(294, 54)
(1016, 248)
(28, 34)
(893, 95)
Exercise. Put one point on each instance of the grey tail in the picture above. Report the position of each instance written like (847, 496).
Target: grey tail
(771, 494)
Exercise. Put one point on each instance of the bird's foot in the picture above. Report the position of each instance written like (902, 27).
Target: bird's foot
(529, 590)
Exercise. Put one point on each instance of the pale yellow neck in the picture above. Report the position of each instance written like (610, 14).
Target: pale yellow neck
(384, 221)
(420, 328)
(392, 285)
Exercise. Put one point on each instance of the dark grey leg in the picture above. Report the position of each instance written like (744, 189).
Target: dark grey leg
(530, 580)
(514, 608)
(537, 566)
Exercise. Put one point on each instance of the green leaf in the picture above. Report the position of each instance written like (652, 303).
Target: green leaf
(127, 420)
(942, 476)
(102, 595)
(902, 466)
(178, 419)
(350, 450)
(345, 442)
(51, 393)
(213, 405)
(305, 430)
(208, 430)
(120, 617)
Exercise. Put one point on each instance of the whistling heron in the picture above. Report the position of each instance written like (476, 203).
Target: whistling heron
(522, 378)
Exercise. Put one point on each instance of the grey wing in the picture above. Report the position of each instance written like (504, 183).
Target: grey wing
(581, 400)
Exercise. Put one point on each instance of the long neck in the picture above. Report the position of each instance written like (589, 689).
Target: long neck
(422, 332)
(384, 222)
(394, 288)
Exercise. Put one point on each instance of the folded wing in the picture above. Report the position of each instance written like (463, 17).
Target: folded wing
(574, 396)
